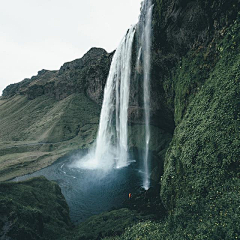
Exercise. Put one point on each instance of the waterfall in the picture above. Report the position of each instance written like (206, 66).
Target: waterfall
(146, 51)
(111, 146)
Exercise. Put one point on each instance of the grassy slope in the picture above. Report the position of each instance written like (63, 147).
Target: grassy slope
(45, 119)
(34, 133)
(201, 181)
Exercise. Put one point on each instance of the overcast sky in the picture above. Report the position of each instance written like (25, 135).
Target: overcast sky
(43, 34)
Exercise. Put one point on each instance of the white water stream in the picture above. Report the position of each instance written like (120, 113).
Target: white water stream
(111, 146)
(111, 149)
(146, 45)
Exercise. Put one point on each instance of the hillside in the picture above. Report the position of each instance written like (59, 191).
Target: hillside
(56, 112)
(47, 116)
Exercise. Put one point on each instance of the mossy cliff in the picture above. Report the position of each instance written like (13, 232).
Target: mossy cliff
(35, 209)
(196, 73)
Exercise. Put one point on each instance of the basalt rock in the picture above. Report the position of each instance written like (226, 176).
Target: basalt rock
(85, 75)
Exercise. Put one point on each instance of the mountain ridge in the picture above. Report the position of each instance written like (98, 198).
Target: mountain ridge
(87, 74)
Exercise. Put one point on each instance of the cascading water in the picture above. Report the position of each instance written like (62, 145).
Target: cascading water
(145, 50)
(111, 145)
(111, 149)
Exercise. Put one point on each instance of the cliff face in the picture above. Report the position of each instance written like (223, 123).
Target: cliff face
(195, 79)
(179, 26)
(85, 75)
(195, 68)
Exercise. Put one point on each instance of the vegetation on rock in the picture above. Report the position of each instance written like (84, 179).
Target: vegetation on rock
(200, 185)
(34, 209)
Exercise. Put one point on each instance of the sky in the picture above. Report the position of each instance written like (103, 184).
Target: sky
(44, 34)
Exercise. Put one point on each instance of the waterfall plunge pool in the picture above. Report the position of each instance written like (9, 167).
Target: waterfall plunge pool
(90, 192)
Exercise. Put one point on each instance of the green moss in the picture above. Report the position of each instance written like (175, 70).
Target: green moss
(159, 7)
(201, 182)
(34, 209)
(207, 136)
(106, 224)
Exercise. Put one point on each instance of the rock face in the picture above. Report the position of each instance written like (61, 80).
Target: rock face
(87, 74)
(35, 209)
(195, 84)
(177, 27)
